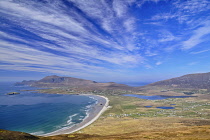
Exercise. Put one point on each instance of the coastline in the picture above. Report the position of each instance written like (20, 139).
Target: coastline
(92, 115)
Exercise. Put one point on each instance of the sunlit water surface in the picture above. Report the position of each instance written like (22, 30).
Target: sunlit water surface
(38, 113)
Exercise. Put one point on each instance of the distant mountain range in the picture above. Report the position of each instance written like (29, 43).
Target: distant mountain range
(193, 81)
(57, 81)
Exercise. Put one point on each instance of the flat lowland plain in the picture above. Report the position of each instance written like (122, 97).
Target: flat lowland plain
(128, 118)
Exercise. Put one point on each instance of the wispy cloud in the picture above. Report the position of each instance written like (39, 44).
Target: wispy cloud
(190, 15)
(63, 41)
(197, 36)
(198, 52)
(74, 37)
(166, 36)
(184, 10)
(158, 63)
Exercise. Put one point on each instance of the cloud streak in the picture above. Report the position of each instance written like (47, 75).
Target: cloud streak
(58, 41)
(72, 37)
(197, 36)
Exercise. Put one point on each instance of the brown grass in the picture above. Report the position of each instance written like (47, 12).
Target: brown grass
(115, 126)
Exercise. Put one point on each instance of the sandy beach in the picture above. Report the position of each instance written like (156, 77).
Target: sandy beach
(93, 114)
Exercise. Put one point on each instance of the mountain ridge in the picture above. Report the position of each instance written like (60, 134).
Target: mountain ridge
(57, 81)
(194, 81)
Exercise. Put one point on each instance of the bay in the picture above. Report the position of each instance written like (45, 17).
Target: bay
(39, 113)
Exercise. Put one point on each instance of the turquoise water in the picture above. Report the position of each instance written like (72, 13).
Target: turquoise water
(38, 113)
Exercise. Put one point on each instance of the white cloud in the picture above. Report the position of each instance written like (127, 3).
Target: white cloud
(149, 53)
(49, 32)
(94, 36)
(164, 16)
(98, 10)
(158, 63)
(121, 6)
(192, 6)
(197, 36)
(166, 36)
(129, 24)
(184, 10)
(67, 43)
(33, 60)
(31, 13)
(198, 52)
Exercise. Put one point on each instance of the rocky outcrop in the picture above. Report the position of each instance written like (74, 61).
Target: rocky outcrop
(13, 93)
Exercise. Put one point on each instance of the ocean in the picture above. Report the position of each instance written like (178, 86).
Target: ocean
(135, 84)
(38, 113)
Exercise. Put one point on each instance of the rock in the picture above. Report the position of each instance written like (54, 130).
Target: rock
(13, 93)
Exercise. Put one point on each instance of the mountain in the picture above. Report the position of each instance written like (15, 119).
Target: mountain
(194, 81)
(57, 81)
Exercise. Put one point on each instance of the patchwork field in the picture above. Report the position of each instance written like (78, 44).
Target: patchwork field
(128, 118)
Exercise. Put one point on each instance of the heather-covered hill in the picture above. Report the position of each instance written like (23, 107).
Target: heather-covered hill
(194, 81)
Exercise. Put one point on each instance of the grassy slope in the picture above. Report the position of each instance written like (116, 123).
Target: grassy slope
(12, 135)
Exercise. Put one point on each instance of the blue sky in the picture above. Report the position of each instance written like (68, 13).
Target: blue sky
(104, 40)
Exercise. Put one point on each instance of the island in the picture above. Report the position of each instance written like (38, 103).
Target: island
(13, 93)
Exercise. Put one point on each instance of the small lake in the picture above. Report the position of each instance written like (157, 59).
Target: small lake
(162, 107)
(165, 107)
(155, 97)
(149, 106)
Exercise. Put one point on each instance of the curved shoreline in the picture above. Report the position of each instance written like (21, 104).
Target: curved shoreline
(92, 115)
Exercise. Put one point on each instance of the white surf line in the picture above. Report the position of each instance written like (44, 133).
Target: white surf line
(97, 116)
(65, 131)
